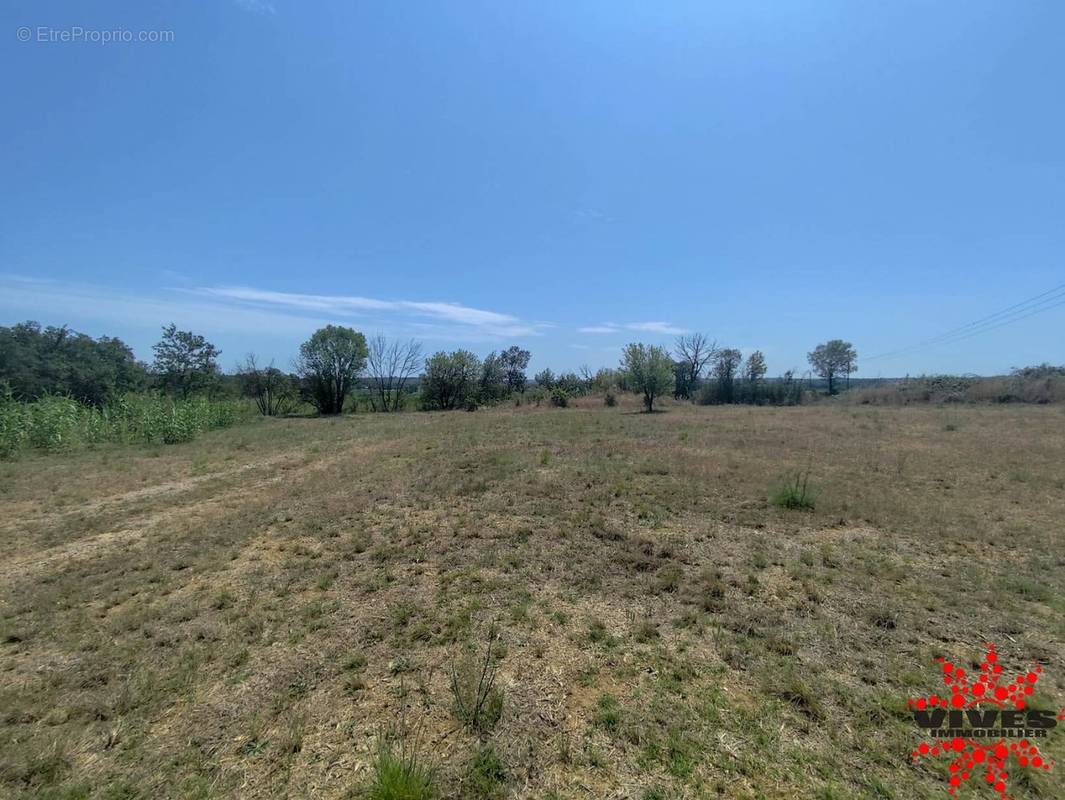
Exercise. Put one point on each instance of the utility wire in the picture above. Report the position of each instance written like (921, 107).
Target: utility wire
(1055, 290)
(1052, 298)
(967, 331)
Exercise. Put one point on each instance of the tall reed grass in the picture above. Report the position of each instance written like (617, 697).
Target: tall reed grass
(56, 423)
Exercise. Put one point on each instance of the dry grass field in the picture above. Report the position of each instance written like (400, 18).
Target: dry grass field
(250, 614)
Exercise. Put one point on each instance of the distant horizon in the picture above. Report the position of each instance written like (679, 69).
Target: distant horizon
(229, 363)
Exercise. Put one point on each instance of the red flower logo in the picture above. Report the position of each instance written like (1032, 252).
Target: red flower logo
(996, 710)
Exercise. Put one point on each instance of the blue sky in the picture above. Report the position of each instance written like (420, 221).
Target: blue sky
(568, 176)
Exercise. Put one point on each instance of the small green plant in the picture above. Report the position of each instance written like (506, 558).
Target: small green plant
(608, 713)
(559, 397)
(400, 776)
(611, 399)
(597, 631)
(485, 777)
(399, 772)
(795, 493)
(645, 630)
(476, 701)
(790, 688)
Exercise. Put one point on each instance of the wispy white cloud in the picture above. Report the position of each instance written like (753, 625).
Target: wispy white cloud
(246, 311)
(60, 301)
(591, 215)
(257, 6)
(656, 327)
(473, 320)
(646, 327)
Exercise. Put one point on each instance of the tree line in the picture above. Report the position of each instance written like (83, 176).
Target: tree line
(337, 362)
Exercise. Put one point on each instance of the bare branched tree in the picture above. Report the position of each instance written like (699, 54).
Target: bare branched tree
(391, 365)
(587, 377)
(274, 392)
(693, 351)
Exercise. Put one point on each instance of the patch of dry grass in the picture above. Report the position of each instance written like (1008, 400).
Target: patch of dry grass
(241, 616)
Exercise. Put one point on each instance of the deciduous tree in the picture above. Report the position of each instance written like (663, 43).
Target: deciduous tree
(754, 372)
(693, 351)
(648, 369)
(726, 363)
(391, 364)
(834, 357)
(328, 364)
(272, 390)
(515, 360)
(185, 362)
(450, 380)
(36, 361)
(545, 379)
(493, 381)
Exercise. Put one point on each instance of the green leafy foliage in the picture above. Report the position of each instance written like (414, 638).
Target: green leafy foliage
(833, 358)
(515, 360)
(55, 423)
(649, 370)
(451, 381)
(328, 364)
(185, 362)
(36, 361)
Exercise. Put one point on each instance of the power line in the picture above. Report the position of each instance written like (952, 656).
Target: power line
(1056, 289)
(1052, 298)
(1059, 298)
(996, 321)
(1039, 302)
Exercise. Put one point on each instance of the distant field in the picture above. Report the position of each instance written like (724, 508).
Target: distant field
(241, 616)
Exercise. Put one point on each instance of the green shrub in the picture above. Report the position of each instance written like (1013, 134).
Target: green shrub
(794, 492)
(559, 397)
(611, 399)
